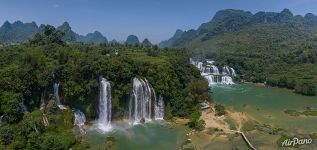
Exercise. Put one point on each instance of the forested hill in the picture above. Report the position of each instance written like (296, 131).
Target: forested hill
(230, 21)
(18, 32)
(28, 72)
(277, 48)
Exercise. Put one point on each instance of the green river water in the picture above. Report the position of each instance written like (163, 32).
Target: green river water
(266, 105)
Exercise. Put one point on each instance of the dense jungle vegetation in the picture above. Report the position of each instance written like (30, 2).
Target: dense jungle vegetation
(28, 70)
(276, 48)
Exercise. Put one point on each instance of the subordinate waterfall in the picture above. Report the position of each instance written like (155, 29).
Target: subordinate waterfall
(212, 73)
(104, 119)
(80, 120)
(159, 109)
(42, 105)
(141, 102)
(57, 98)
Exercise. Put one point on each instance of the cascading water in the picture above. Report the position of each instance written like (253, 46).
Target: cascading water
(159, 109)
(57, 98)
(23, 107)
(212, 73)
(140, 103)
(1, 117)
(233, 72)
(200, 66)
(225, 70)
(80, 120)
(42, 106)
(227, 80)
(104, 120)
(214, 69)
(213, 79)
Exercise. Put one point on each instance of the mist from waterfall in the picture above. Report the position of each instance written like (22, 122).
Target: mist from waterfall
(104, 119)
(57, 98)
(159, 108)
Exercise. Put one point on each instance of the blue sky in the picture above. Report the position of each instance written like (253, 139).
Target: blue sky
(154, 19)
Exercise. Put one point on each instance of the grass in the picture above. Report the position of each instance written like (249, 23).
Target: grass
(231, 123)
(313, 135)
(248, 126)
(298, 113)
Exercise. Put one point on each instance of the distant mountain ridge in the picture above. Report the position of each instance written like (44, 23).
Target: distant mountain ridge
(132, 40)
(230, 20)
(20, 32)
(17, 31)
(275, 48)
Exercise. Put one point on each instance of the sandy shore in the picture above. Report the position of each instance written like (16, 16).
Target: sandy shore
(213, 121)
(217, 128)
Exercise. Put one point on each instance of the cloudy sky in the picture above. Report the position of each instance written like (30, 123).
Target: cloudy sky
(154, 19)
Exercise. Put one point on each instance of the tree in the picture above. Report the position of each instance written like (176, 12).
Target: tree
(220, 110)
(49, 36)
(11, 106)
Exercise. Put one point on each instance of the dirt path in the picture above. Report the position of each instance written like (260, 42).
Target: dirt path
(213, 121)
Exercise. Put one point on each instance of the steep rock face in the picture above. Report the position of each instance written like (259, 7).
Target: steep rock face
(132, 39)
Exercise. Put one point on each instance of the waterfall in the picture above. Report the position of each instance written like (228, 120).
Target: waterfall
(23, 107)
(233, 72)
(159, 109)
(42, 105)
(210, 61)
(212, 74)
(191, 61)
(104, 120)
(210, 79)
(131, 106)
(141, 101)
(80, 118)
(57, 98)
(200, 66)
(227, 80)
(1, 117)
(225, 70)
(212, 69)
